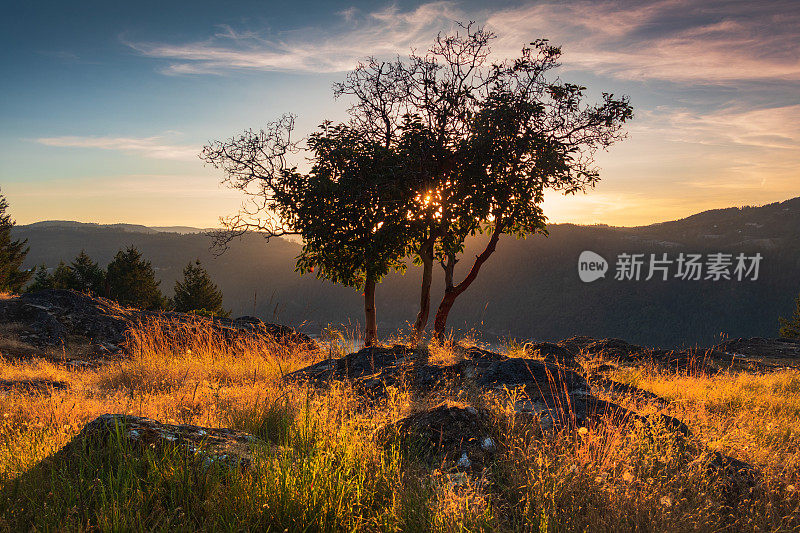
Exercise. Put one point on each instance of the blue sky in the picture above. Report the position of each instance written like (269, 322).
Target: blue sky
(105, 105)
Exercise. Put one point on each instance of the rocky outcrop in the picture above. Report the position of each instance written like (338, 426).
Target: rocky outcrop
(548, 395)
(207, 445)
(552, 353)
(373, 369)
(75, 325)
(761, 348)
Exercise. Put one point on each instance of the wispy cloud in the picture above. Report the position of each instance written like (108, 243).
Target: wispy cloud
(152, 147)
(338, 48)
(676, 40)
(776, 128)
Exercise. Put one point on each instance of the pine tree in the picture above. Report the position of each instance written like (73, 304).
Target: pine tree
(89, 277)
(132, 281)
(12, 254)
(197, 293)
(790, 327)
(42, 280)
(64, 277)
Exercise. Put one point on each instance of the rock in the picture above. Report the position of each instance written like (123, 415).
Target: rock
(616, 389)
(91, 327)
(758, 347)
(474, 353)
(209, 445)
(574, 345)
(615, 349)
(372, 370)
(550, 352)
(451, 433)
(738, 477)
(540, 380)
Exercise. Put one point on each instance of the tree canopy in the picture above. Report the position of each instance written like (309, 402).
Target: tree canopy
(197, 293)
(132, 282)
(83, 275)
(439, 147)
(12, 254)
(89, 276)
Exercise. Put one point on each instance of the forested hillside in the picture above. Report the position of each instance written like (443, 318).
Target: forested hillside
(528, 288)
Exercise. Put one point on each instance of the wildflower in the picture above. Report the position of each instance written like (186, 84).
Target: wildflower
(666, 501)
(790, 488)
(627, 477)
(583, 431)
(464, 461)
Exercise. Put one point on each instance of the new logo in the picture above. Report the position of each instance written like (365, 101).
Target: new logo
(591, 266)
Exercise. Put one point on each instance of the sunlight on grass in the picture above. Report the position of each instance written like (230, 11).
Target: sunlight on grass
(335, 473)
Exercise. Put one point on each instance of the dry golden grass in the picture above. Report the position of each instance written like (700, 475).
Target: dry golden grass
(600, 478)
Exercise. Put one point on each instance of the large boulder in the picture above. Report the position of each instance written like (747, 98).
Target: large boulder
(615, 349)
(451, 434)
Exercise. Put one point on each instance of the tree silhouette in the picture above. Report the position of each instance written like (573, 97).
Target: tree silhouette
(352, 213)
(89, 276)
(196, 292)
(64, 277)
(12, 254)
(439, 147)
(349, 208)
(42, 280)
(132, 282)
(487, 138)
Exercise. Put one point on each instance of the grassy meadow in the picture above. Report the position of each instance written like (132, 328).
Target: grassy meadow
(331, 472)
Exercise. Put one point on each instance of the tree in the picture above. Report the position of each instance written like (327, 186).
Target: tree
(89, 276)
(790, 327)
(198, 293)
(63, 277)
(42, 280)
(488, 139)
(132, 282)
(458, 146)
(349, 208)
(12, 254)
(351, 213)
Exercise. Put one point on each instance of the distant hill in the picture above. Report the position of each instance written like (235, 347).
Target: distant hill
(128, 228)
(528, 288)
(180, 229)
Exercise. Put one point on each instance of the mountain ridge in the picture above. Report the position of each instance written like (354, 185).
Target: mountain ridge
(528, 289)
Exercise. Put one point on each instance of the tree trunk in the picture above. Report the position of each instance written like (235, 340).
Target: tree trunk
(453, 292)
(370, 318)
(426, 254)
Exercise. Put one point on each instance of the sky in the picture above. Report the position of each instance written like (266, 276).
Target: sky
(105, 106)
